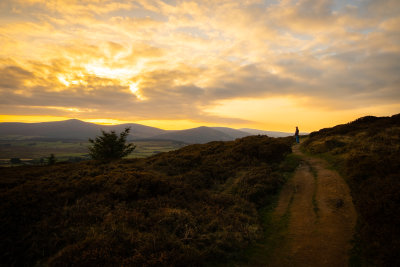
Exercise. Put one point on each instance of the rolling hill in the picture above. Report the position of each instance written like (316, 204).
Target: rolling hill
(367, 153)
(70, 129)
(201, 135)
(79, 130)
(268, 133)
(233, 132)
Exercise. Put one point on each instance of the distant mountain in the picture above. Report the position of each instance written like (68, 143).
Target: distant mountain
(268, 133)
(138, 131)
(198, 135)
(232, 132)
(71, 129)
(76, 129)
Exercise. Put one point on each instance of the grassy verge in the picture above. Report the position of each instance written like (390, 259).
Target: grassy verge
(314, 196)
(274, 229)
(335, 163)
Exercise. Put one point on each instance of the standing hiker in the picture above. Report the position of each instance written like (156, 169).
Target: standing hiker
(296, 134)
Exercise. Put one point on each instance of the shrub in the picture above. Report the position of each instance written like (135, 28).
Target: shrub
(51, 160)
(15, 160)
(110, 147)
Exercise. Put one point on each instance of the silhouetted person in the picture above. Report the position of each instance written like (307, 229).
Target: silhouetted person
(296, 134)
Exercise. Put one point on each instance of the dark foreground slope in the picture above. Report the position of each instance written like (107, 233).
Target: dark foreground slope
(367, 152)
(182, 208)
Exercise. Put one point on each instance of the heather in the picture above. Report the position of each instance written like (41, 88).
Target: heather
(367, 152)
(192, 206)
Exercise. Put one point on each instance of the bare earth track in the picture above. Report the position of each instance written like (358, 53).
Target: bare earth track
(320, 217)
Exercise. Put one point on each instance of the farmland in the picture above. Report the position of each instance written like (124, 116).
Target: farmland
(32, 150)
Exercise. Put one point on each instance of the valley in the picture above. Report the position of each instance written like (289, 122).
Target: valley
(34, 151)
(331, 200)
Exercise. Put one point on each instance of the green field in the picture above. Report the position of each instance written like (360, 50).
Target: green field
(71, 150)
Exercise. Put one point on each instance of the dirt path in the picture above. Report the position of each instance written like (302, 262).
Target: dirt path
(320, 216)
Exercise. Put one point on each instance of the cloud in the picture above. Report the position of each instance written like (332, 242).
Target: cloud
(13, 77)
(149, 60)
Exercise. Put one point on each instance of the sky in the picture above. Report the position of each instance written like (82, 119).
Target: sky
(265, 64)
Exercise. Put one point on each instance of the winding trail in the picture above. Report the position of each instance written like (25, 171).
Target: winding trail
(317, 207)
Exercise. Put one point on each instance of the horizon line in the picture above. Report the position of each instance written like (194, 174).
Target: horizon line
(131, 122)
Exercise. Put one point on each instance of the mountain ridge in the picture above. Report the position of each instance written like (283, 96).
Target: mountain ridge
(72, 128)
(200, 135)
(268, 133)
(77, 129)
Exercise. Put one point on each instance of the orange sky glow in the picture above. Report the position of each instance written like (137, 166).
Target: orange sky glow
(265, 64)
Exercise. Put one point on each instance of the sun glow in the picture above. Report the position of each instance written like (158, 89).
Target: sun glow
(107, 72)
(112, 70)
(31, 118)
(72, 79)
(134, 87)
(106, 121)
(63, 80)
(172, 124)
(280, 113)
(123, 75)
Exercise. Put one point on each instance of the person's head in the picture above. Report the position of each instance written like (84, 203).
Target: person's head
(296, 127)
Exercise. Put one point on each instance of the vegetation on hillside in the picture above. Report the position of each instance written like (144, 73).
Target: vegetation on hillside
(181, 208)
(36, 151)
(367, 152)
(110, 146)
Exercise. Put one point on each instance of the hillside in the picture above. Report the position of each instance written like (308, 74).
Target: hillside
(187, 207)
(268, 133)
(367, 153)
(233, 132)
(68, 140)
(198, 135)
